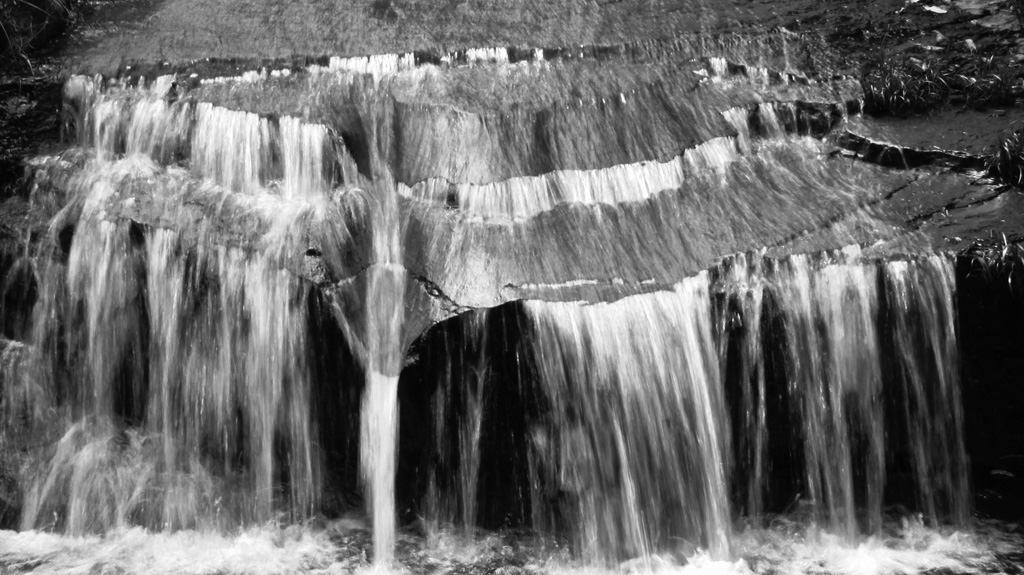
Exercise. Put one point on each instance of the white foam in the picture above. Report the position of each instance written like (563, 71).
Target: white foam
(793, 550)
(254, 552)
(785, 549)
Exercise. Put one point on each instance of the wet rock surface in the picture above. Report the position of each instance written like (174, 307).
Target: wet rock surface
(860, 32)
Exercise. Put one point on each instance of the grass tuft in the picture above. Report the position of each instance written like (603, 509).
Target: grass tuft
(27, 25)
(908, 85)
(999, 259)
(1007, 163)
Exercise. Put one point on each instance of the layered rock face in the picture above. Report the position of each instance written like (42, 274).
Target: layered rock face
(644, 290)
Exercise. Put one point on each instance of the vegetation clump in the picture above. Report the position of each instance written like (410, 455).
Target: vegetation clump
(909, 85)
(998, 259)
(27, 25)
(1007, 163)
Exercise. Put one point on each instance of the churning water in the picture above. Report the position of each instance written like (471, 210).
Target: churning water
(343, 548)
(562, 277)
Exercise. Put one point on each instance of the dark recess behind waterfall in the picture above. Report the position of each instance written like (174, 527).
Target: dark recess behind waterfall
(991, 315)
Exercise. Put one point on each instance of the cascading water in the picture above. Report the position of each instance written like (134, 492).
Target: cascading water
(226, 361)
(836, 382)
(926, 352)
(742, 280)
(657, 367)
(662, 415)
(385, 300)
(635, 432)
(609, 362)
(459, 413)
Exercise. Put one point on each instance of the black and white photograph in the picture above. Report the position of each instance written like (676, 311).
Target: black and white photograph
(512, 287)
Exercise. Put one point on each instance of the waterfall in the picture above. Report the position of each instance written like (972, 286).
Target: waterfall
(384, 317)
(660, 416)
(636, 426)
(379, 415)
(924, 335)
(226, 358)
(302, 146)
(830, 316)
(231, 147)
(739, 321)
(459, 407)
(241, 151)
(595, 296)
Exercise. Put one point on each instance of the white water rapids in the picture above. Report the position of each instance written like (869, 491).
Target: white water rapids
(343, 546)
